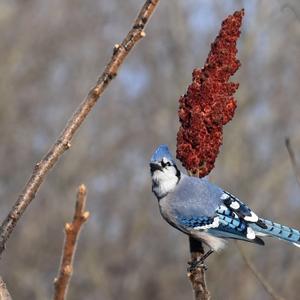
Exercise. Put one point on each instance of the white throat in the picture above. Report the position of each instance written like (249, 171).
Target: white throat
(163, 182)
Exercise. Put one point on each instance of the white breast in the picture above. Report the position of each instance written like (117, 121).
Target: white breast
(165, 181)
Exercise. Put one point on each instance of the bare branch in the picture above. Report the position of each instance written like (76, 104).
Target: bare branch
(295, 167)
(72, 231)
(4, 294)
(197, 275)
(63, 143)
(268, 288)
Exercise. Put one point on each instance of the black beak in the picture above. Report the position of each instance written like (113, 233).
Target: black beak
(154, 167)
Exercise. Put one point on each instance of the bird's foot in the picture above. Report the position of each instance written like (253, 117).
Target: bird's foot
(199, 263)
(193, 265)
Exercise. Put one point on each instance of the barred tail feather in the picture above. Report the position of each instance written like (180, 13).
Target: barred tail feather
(279, 231)
(234, 228)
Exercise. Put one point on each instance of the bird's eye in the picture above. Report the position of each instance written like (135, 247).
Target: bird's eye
(165, 164)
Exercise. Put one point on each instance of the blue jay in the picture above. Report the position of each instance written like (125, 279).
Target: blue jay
(205, 211)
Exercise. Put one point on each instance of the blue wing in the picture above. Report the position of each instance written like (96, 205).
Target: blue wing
(241, 210)
(224, 224)
(231, 226)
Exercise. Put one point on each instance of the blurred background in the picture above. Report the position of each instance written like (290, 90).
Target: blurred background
(51, 54)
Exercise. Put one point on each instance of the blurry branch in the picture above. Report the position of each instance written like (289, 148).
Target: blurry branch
(295, 167)
(72, 231)
(268, 288)
(287, 6)
(4, 294)
(63, 143)
(247, 261)
(197, 274)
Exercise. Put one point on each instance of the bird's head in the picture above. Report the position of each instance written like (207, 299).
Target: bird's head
(164, 172)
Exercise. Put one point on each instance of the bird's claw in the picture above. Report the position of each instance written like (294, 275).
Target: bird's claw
(193, 265)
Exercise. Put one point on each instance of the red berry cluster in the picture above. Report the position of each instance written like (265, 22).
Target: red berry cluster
(208, 103)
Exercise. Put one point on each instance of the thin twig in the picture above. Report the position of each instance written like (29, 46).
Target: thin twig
(4, 293)
(197, 274)
(268, 288)
(72, 231)
(63, 143)
(295, 167)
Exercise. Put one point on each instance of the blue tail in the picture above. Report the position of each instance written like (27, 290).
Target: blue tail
(279, 231)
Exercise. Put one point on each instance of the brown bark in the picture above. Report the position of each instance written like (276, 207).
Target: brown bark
(72, 231)
(197, 274)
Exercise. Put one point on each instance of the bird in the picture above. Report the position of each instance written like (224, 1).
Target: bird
(205, 211)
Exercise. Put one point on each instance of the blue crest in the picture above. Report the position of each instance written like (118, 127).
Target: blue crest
(160, 152)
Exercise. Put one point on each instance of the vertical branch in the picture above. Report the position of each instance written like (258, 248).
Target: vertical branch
(197, 275)
(4, 294)
(72, 231)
